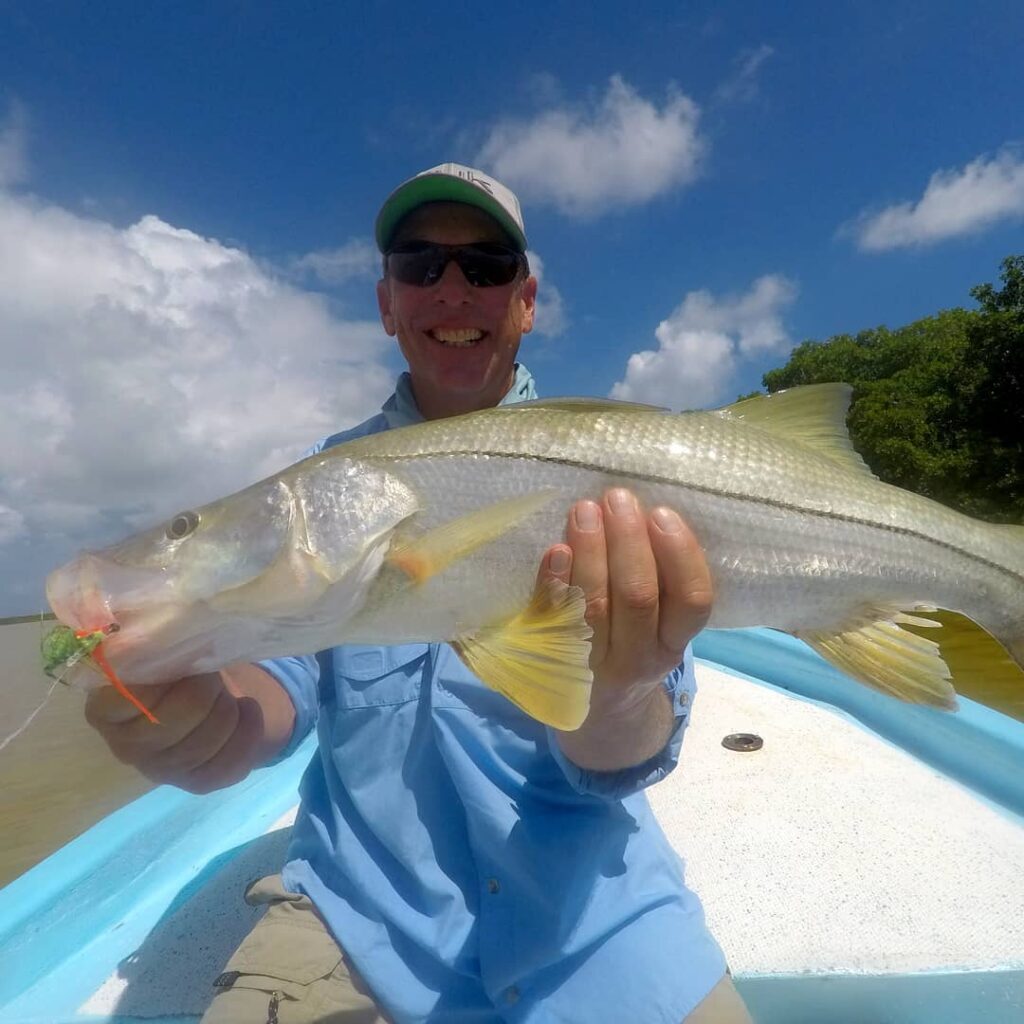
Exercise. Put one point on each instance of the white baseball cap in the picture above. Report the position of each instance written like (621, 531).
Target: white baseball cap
(453, 183)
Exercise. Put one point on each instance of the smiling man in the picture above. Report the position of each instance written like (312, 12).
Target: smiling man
(459, 339)
(454, 860)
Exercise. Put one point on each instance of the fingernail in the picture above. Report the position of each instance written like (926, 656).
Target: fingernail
(559, 561)
(666, 520)
(621, 501)
(588, 516)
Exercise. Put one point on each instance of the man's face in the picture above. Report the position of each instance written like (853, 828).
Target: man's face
(460, 342)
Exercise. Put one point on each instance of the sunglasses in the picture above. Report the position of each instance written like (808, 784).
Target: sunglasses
(484, 264)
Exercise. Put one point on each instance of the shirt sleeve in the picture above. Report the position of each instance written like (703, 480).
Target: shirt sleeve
(681, 686)
(299, 677)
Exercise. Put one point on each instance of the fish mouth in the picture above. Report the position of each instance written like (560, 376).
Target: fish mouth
(82, 593)
(457, 337)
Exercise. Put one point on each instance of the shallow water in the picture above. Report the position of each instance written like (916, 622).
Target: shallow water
(57, 778)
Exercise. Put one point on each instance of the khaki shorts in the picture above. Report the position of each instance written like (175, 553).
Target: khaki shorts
(289, 970)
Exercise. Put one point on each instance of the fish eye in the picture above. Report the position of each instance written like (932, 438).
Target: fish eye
(182, 525)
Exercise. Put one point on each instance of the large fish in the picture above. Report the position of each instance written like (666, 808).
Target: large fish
(434, 532)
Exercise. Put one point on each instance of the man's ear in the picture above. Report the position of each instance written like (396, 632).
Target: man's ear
(528, 296)
(384, 305)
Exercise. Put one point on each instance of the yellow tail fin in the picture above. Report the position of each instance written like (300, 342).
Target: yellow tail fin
(984, 668)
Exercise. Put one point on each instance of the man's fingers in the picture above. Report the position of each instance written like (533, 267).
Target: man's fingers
(686, 588)
(104, 706)
(180, 707)
(632, 573)
(556, 565)
(202, 743)
(585, 534)
(234, 760)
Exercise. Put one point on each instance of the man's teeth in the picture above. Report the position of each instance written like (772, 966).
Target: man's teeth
(461, 338)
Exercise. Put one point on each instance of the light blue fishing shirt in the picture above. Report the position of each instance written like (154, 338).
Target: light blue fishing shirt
(470, 871)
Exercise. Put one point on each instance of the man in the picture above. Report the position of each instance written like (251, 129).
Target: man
(454, 860)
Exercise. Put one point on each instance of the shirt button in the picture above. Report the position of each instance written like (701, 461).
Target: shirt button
(684, 699)
(512, 994)
(493, 886)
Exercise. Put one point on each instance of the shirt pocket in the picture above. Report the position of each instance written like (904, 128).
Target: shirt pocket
(455, 686)
(367, 677)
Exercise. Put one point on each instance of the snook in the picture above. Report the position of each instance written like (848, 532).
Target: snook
(435, 532)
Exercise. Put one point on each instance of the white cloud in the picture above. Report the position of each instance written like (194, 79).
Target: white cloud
(148, 368)
(549, 317)
(13, 159)
(742, 84)
(12, 524)
(588, 160)
(955, 203)
(702, 342)
(357, 258)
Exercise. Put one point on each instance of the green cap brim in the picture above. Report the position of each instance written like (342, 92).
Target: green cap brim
(440, 188)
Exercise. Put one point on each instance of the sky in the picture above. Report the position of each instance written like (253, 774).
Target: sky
(187, 194)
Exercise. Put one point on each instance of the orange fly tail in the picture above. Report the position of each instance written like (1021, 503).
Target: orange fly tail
(101, 660)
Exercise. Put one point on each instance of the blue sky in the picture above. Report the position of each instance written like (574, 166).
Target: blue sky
(187, 193)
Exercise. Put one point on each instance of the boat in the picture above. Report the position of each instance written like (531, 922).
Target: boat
(861, 861)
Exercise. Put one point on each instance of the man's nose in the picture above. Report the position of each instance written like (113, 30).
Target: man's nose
(452, 285)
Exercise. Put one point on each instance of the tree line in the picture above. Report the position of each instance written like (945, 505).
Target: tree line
(938, 405)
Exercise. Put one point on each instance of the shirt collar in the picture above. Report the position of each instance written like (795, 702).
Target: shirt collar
(400, 410)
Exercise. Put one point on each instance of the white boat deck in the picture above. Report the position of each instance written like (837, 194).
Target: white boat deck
(831, 850)
(828, 850)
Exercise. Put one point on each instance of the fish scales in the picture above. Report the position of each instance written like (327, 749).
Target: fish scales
(720, 457)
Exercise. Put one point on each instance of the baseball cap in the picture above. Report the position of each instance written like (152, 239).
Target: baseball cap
(453, 183)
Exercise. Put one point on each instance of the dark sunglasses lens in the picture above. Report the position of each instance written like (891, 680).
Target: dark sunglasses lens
(418, 267)
(482, 266)
(488, 267)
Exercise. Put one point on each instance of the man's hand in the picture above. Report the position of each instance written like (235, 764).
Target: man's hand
(213, 728)
(649, 593)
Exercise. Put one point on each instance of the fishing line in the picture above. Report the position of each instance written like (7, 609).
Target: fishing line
(28, 721)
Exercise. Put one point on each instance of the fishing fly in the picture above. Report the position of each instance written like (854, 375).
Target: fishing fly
(63, 648)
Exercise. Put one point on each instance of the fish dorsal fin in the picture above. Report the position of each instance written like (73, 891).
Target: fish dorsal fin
(432, 552)
(571, 404)
(813, 415)
(926, 657)
(540, 659)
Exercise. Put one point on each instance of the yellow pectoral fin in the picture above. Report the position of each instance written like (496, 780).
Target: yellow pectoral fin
(926, 658)
(435, 550)
(540, 659)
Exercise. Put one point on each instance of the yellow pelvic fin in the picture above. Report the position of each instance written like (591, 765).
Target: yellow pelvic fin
(814, 415)
(540, 659)
(926, 657)
(434, 551)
